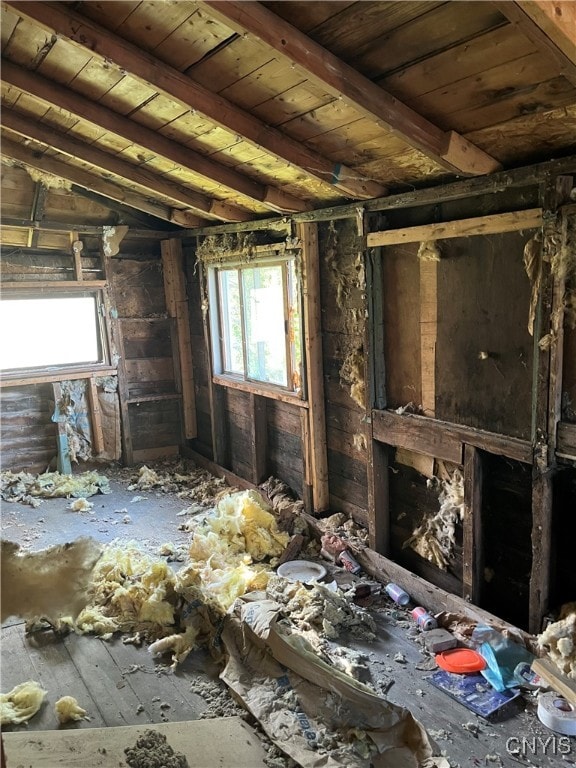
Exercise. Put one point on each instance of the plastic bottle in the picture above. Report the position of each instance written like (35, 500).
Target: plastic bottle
(397, 594)
(423, 618)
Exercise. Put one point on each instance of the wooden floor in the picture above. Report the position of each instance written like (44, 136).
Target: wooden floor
(120, 685)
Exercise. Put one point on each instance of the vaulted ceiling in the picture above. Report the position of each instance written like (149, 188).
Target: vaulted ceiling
(196, 112)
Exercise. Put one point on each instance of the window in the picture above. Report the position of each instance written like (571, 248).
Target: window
(256, 328)
(50, 332)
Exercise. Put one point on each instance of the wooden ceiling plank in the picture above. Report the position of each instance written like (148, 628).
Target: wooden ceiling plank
(465, 60)
(434, 29)
(345, 82)
(191, 42)
(556, 92)
(550, 25)
(8, 23)
(493, 85)
(308, 16)
(63, 62)
(151, 22)
(110, 13)
(86, 33)
(26, 41)
(128, 129)
(539, 136)
(131, 173)
(83, 179)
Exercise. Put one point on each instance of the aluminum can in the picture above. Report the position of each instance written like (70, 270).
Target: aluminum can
(397, 594)
(349, 562)
(423, 618)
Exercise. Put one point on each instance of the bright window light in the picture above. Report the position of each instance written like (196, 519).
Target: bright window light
(257, 331)
(49, 332)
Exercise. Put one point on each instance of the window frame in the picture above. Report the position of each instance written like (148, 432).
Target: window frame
(216, 325)
(104, 362)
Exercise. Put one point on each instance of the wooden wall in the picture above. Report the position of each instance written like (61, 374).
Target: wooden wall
(27, 434)
(227, 414)
(343, 328)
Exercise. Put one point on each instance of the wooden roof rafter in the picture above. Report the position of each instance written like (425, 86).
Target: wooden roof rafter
(83, 32)
(152, 183)
(57, 95)
(447, 148)
(26, 156)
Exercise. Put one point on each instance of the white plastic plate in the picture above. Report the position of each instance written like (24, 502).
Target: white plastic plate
(301, 570)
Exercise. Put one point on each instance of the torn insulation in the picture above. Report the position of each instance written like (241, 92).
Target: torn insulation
(435, 537)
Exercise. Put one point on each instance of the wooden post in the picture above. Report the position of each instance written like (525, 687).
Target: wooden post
(177, 305)
(378, 454)
(308, 234)
(96, 416)
(307, 490)
(472, 556)
(379, 524)
(77, 245)
(428, 333)
(546, 405)
(258, 437)
(116, 341)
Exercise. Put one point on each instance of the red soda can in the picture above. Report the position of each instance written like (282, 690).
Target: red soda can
(423, 618)
(349, 562)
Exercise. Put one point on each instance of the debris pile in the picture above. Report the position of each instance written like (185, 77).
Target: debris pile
(153, 751)
(130, 592)
(30, 489)
(320, 608)
(196, 484)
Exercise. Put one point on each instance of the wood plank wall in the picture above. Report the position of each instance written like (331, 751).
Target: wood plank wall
(27, 434)
(343, 328)
(282, 441)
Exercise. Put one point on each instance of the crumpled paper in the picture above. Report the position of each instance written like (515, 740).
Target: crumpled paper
(319, 716)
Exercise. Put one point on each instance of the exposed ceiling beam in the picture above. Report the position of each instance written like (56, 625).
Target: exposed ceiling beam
(64, 98)
(88, 181)
(550, 25)
(448, 148)
(101, 42)
(152, 183)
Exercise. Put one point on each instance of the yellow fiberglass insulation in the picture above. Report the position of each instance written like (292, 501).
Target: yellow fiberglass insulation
(67, 709)
(559, 640)
(21, 703)
(130, 591)
(227, 549)
(246, 521)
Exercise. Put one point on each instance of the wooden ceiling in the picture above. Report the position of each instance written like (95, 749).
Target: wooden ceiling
(199, 112)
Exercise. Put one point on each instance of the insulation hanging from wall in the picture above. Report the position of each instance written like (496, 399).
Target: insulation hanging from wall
(434, 538)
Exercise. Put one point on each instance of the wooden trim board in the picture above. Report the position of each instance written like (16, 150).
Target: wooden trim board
(219, 741)
(480, 225)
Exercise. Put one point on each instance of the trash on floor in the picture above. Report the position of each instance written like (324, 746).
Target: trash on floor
(314, 713)
(30, 489)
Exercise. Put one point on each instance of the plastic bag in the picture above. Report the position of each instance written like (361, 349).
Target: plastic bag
(502, 656)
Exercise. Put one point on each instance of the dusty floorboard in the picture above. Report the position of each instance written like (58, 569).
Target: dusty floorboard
(215, 743)
(122, 685)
